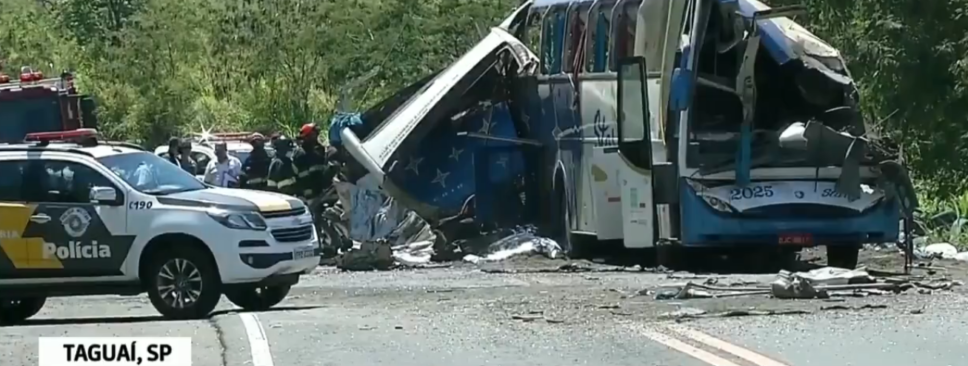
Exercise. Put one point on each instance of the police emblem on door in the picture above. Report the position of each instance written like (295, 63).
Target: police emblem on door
(75, 221)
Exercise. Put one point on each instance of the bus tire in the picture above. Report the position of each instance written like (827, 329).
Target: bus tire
(843, 256)
(668, 256)
(560, 230)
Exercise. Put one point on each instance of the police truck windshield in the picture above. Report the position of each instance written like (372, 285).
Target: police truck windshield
(151, 174)
(18, 117)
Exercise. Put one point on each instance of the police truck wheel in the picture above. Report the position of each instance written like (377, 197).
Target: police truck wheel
(183, 283)
(843, 256)
(258, 298)
(15, 311)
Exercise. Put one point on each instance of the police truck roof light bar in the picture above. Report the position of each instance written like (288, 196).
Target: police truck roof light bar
(44, 138)
(225, 136)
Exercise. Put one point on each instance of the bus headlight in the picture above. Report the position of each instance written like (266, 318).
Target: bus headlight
(718, 204)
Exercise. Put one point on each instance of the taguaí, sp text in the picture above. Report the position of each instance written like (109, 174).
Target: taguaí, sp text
(115, 351)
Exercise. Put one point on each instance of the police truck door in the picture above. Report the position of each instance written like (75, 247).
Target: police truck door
(74, 236)
(635, 148)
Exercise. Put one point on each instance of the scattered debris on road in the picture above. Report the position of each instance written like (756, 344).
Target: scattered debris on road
(820, 283)
(536, 315)
(385, 235)
(695, 313)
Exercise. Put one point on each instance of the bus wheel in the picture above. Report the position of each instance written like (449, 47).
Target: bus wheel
(560, 230)
(843, 256)
(669, 256)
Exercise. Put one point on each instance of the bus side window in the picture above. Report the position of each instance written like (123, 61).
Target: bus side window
(574, 41)
(623, 32)
(599, 24)
(533, 33)
(561, 23)
(549, 27)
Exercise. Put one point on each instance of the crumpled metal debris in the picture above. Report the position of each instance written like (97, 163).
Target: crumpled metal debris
(376, 220)
(816, 284)
(523, 241)
(571, 267)
(695, 313)
(371, 255)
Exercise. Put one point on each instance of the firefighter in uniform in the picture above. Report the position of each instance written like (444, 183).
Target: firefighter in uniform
(310, 159)
(255, 169)
(282, 172)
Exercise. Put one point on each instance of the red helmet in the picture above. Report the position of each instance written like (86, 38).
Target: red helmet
(307, 129)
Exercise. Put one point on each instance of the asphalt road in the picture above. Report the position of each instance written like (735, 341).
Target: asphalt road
(463, 316)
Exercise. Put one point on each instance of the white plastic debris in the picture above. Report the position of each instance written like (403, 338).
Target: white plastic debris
(517, 244)
(831, 276)
(963, 257)
(943, 250)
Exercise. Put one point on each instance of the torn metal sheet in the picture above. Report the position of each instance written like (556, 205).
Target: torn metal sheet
(785, 40)
(457, 112)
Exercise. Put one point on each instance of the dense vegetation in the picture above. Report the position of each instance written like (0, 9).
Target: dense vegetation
(163, 66)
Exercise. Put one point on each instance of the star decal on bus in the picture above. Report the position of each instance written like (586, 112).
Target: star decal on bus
(485, 127)
(455, 153)
(414, 165)
(440, 178)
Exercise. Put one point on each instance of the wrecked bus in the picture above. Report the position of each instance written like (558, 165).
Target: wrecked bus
(667, 124)
(32, 103)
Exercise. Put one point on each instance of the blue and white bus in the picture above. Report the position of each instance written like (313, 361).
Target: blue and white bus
(670, 124)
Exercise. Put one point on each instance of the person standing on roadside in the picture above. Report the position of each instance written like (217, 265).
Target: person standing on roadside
(282, 172)
(178, 156)
(310, 160)
(224, 170)
(255, 169)
(174, 145)
(185, 160)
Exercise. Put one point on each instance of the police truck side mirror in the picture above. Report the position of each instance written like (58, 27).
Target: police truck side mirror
(104, 195)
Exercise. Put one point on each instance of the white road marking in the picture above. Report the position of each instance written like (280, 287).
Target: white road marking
(677, 345)
(257, 340)
(724, 346)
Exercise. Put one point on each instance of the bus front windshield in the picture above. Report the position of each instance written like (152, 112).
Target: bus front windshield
(151, 174)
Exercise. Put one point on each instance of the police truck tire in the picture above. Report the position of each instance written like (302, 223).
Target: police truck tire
(187, 271)
(843, 256)
(15, 311)
(258, 298)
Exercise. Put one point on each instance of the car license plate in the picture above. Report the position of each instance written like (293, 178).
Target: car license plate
(796, 239)
(303, 253)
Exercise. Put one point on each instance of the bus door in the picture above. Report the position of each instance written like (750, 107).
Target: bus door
(635, 150)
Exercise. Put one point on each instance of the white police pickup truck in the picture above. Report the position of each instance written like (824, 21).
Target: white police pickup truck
(82, 217)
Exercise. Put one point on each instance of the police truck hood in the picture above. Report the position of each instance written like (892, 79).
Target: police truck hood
(228, 198)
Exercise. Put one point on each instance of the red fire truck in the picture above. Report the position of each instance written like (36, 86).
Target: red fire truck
(32, 103)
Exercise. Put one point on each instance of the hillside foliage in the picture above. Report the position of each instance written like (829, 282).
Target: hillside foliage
(161, 67)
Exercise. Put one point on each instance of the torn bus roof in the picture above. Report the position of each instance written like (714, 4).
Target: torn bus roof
(384, 141)
(785, 40)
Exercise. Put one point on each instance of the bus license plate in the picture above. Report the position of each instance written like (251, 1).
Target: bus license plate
(303, 253)
(796, 239)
